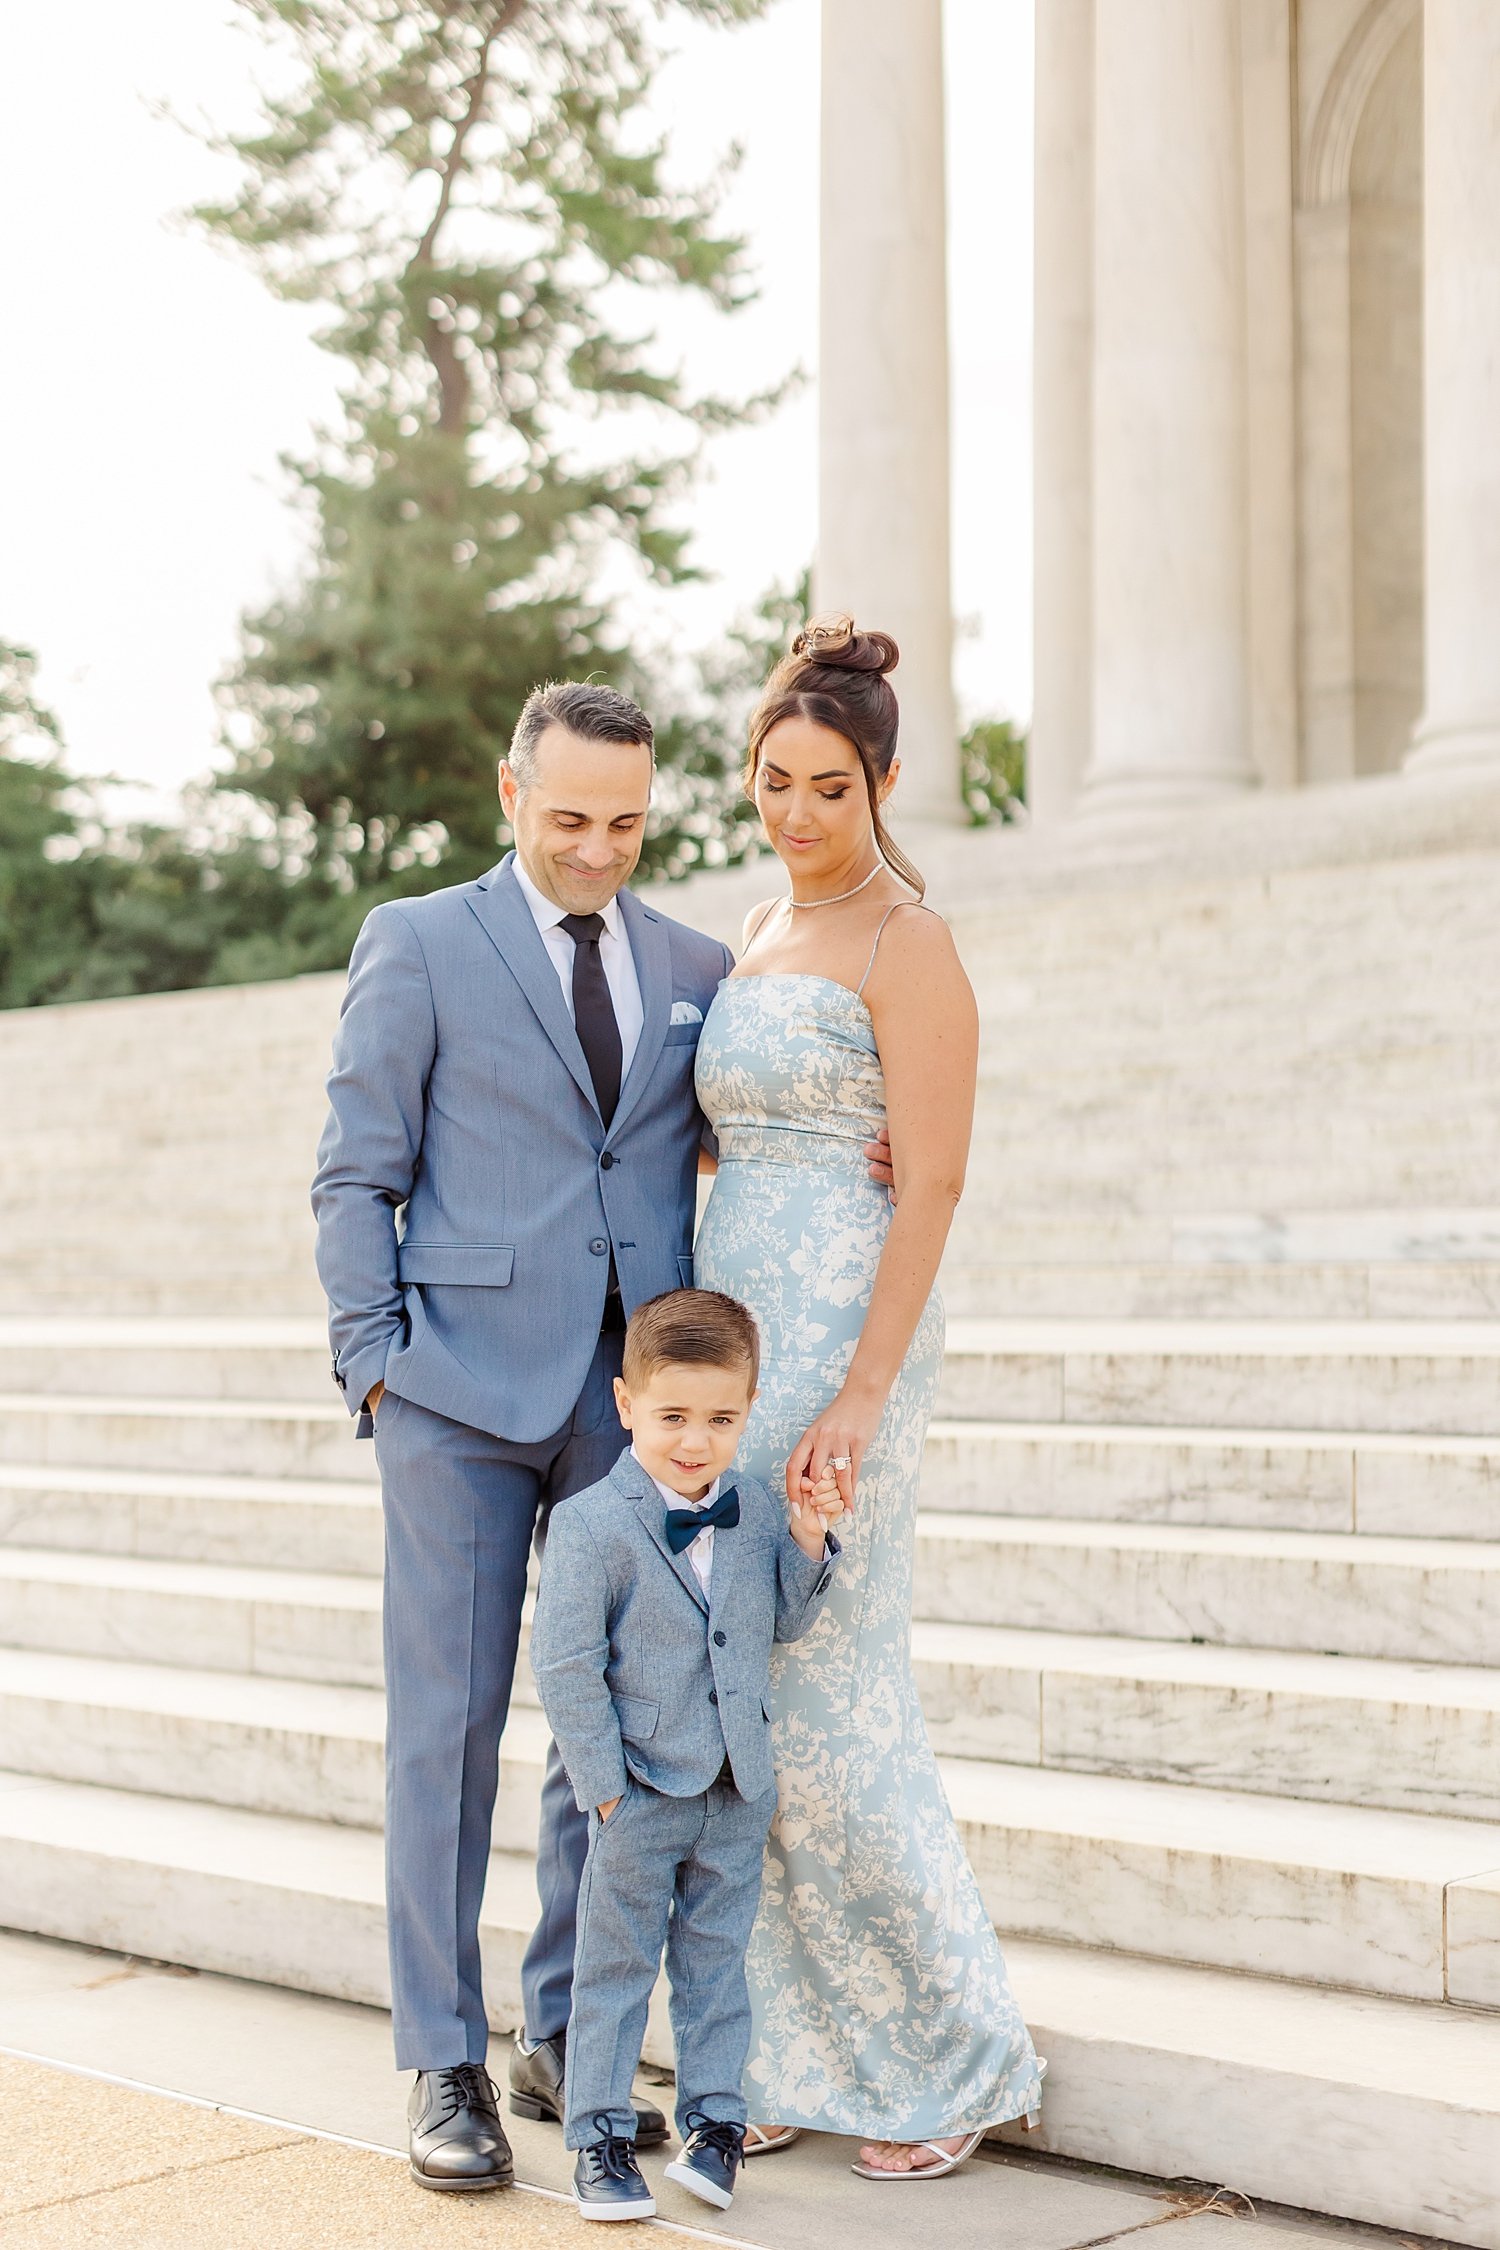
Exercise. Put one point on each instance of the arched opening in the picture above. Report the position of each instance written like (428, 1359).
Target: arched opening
(1385, 409)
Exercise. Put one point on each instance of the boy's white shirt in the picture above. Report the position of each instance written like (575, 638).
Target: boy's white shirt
(701, 1553)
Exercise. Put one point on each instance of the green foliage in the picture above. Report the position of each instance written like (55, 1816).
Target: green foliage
(994, 772)
(700, 815)
(465, 186)
(45, 921)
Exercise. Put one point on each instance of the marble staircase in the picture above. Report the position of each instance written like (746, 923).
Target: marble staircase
(1215, 1704)
(1207, 1566)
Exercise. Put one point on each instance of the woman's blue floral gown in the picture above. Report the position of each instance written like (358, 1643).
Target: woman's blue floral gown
(881, 2002)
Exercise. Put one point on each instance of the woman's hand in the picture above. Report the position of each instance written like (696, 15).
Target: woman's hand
(840, 1437)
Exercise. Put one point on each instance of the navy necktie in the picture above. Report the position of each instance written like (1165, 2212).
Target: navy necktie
(684, 1524)
(594, 1011)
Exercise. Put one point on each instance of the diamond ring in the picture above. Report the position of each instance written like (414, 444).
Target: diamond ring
(841, 1461)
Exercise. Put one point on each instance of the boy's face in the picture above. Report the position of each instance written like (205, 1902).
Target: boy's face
(686, 1423)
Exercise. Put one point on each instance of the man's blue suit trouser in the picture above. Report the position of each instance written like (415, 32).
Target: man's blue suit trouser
(462, 1509)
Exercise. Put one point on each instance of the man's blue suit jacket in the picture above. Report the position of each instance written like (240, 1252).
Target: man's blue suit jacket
(467, 1194)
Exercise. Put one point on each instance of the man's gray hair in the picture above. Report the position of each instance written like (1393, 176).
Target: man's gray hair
(599, 714)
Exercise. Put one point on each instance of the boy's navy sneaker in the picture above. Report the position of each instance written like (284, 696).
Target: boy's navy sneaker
(710, 2161)
(607, 2181)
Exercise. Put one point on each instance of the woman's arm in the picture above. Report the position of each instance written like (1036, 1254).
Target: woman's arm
(927, 1027)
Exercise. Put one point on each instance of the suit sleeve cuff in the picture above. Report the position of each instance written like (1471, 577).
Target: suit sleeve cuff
(595, 1784)
(357, 1373)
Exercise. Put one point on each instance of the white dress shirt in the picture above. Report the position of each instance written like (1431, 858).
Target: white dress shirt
(701, 1553)
(614, 953)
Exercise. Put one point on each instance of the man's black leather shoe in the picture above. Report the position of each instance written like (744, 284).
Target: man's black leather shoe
(536, 2090)
(710, 2161)
(607, 2181)
(457, 2140)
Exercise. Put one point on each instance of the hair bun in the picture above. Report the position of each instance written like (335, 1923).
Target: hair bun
(834, 639)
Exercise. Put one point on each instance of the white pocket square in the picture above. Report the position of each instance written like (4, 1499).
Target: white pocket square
(683, 1011)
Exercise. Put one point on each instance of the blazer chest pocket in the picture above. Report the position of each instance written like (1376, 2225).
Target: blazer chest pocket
(637, 1717)
(682, 1035)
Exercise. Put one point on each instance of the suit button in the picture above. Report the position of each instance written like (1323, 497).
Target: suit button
(598, 1246)
(606, 1161)
(720, 1639)
(713, 1695)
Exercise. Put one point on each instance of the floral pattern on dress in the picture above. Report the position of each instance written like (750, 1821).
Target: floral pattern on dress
(880, 2000)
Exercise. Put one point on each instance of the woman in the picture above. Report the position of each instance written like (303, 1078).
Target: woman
(881, 2002)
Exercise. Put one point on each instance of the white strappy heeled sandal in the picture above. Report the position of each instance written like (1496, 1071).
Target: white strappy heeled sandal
(758, 2142)
(947, 2159)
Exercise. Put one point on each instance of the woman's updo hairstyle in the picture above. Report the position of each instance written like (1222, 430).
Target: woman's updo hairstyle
(834, 675)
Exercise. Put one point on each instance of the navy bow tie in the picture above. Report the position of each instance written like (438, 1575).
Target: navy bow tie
(684, 1524)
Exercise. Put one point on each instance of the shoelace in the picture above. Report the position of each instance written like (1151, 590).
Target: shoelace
(716, 2133)
(614, 2155)
(467, 2086)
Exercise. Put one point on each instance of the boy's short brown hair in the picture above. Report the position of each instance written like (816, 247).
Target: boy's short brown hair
(691, 1328)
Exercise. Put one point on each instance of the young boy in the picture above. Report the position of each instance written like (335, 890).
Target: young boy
(663, 1587)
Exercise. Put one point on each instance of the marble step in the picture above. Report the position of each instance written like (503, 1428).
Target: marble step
(285, 1624)
(1429, 1376)
(1290, 1480)
(1437, 1377)
(266, 1438)
(1363, 2108)
(1323, 1481)
(1006, 1287)
(282, 1523)
(285, 1359)
(1001, 1541)
(1386, 1902)
(1350, 2104)
(1404, 1736)
(1402, 1904)
(1365, 1731)
(1431, 1601)
(267, 1744)
(1274, 1480)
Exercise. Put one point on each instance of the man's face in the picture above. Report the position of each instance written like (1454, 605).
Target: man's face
(580, 823)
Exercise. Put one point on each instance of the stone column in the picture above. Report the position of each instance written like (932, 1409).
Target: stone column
(883, 539)
(1062, 408)
(1460, 724)
(1171, 696)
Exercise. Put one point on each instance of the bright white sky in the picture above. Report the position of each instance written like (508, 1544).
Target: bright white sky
(148, 385)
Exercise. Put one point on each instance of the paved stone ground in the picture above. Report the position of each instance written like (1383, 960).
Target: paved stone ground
(122, 2167)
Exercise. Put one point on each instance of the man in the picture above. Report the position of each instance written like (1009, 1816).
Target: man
(514, 1066)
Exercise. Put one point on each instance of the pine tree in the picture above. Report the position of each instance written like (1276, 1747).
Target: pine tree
(465, 185)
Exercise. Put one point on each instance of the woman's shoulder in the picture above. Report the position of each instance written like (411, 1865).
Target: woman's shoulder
(909, 929)
(753, 920)
(914, 968)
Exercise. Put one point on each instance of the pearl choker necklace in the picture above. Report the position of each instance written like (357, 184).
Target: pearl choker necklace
(806, 905)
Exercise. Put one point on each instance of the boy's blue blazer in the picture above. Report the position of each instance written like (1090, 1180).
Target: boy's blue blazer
(637, 1673)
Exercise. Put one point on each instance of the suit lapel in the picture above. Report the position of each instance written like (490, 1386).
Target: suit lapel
(651, 1508)
(507, 921)
(727, 1550)
(651, 953)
